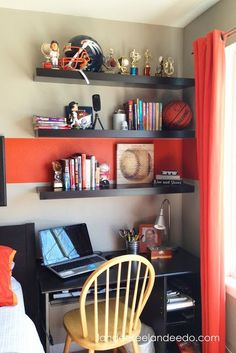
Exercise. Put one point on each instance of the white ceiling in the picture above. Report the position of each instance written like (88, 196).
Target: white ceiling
(175, 13)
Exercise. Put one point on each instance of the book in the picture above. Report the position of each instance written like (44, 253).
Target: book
(168, 182)
(187, 302)
(72, 173)
(66, 173)
(45, 119)
(83, 170)
(167, 177)
(88, 172)
(93, 172)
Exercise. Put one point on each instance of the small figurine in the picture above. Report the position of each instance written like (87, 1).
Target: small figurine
(78, 118)
(135, 56)
(160, 68)
(123, 64)
(147, 68)
(72, 119)
(169, 66)
(54, 54)
(104, 175)
(51, 54)
(57, 167)
(110, 62)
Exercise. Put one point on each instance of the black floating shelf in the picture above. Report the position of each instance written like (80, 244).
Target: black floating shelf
(114, 133)
(47, 193)
(106, 79)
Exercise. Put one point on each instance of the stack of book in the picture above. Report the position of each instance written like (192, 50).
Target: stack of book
(143, 115)
(168, 178)
(80, 171)
(44, 122)
(177, 300)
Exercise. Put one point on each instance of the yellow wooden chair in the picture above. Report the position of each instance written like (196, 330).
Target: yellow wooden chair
(112, 322)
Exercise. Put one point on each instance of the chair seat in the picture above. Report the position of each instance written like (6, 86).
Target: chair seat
(72, 323)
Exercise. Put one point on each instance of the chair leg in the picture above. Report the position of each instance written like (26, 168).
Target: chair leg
(135, 346)
(67, 344)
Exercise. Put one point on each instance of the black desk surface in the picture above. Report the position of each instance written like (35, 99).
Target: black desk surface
(181, 263)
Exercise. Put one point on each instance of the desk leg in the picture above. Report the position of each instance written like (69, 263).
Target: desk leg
(47, 322)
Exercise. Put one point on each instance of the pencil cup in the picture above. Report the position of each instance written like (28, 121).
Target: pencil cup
(132, 247)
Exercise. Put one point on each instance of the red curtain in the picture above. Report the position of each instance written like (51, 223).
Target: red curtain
(209, 60)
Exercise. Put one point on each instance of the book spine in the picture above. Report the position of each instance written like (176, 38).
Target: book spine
(79, 173)
(138, 117)
(144, 117)
(76, 172)
(130, 115)
(140, 114)
(168, 182)
(147, 117)
(37, 118)
(157, 116)
(135, 117)
(72, 173)
(97, 175)
(66, 174)
(160, 115)
(88, 173)
(150, 116)
(153, 116)
(83, 165)
(93, 172)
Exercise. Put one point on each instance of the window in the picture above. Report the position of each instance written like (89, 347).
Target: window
(230, 165)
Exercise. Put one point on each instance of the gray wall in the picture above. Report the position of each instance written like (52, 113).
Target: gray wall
(21, 35)
(222, 17)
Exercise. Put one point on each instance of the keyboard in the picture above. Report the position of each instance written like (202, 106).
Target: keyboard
(75, 264)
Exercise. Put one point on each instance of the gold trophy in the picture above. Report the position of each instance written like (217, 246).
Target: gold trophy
(110, 62)
(57, 167)
(169, 66)
(160, 67)
(165, 67)
(123, 64)
(135, 56)
(148, 58)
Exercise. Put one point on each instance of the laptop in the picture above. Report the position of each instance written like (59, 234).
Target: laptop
(67, 251)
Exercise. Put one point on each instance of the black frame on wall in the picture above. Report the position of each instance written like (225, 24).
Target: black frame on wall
(3, 192)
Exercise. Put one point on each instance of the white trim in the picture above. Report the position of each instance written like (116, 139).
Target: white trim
(230, 285)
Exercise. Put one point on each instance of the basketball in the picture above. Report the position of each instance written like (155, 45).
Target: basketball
(177, 115)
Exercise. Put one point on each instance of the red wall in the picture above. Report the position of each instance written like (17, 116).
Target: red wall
(29, 160)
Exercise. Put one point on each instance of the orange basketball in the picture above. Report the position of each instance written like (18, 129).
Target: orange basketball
(177, 115)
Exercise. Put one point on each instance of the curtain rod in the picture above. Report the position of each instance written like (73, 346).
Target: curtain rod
(228, 34)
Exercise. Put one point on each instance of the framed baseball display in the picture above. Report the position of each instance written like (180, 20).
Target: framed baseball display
(135, 163)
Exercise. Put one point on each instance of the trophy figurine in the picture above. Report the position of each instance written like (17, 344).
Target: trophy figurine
(51, 53)
(57, 167)
(169, 66)
(135, 56)
(123, 64)
(110, 62)
(160, 68)
(147, 68)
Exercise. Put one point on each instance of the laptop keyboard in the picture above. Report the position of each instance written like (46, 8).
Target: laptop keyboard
(75, 264)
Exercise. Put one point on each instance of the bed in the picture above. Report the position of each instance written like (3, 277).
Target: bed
(18, 323)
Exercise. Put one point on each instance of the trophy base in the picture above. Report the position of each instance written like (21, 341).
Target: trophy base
(57, 185)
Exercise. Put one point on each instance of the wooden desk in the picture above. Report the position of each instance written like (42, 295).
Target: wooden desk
(183, 266)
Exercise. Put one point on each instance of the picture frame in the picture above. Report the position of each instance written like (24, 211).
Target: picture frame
(149, 237)
(134, 163)
(3, 193)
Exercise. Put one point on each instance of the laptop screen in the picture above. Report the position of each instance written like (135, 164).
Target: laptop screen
(64, 243)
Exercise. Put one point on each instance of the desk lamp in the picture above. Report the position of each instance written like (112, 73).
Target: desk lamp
(160, 222)
(164, 251)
